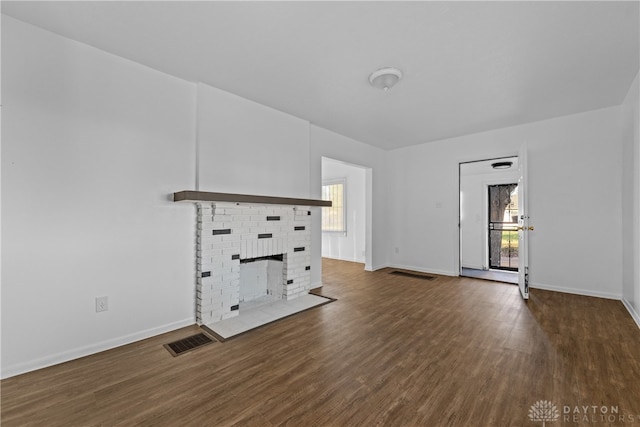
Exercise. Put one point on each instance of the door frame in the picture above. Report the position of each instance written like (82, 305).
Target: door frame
(368, 200)
(458, 246)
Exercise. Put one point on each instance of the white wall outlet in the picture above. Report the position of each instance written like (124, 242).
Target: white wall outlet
(102, 304)
(397, 250)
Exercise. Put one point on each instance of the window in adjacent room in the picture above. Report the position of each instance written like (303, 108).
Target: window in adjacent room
(334, 218)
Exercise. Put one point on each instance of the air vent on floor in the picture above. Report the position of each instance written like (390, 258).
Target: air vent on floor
(413, 275)
(184, 345)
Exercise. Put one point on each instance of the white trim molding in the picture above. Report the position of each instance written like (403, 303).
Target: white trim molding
(634, 314)
(76, 353)
(583, 292)
(424, 270)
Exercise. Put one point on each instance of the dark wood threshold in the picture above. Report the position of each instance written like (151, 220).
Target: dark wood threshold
(205, 196)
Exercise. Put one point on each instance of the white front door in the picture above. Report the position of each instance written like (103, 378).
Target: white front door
(523, 225)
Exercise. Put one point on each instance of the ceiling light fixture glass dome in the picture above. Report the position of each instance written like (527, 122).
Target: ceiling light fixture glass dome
(385, 78)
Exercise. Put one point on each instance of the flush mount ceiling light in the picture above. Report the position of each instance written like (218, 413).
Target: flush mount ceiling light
(501, 165)
(385, 78)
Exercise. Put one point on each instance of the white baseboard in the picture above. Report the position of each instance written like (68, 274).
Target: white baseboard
(424, 270)
(584, 292)
(359, 261)
(76, 353)
(378, 267)
(634, 314)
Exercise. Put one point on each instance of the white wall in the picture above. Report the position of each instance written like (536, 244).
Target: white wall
(248, 148)
(631, 202)
(474, 217)
(350, 246)
(92, 145)
(325, 143)
(574, 200)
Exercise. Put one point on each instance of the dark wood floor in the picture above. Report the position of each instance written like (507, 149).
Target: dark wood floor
(391, 351)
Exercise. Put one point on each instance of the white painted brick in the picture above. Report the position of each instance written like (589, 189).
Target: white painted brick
(209, 308)
(231, 265)
(224, 204)
(204, 246)
(205, 227)
(230, 244)
(229, 301)
(233, 225)
(209, 253)
(243, 249)
(212, 239)
(208, 238)
(217, 293)
(228, 252)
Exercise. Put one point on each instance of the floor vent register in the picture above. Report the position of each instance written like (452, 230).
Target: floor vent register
(185, 345)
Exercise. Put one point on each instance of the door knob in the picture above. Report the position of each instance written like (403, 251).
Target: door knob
(525, 228)
(531, 228)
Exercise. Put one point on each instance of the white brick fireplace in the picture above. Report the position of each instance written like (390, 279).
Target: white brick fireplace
(269, 236)
(230, 233)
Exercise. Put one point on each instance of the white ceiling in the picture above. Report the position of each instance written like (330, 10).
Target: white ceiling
(468, 66)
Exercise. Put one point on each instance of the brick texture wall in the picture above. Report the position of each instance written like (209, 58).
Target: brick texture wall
(230, 232)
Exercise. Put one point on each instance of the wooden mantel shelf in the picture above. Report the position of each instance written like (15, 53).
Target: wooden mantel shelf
(205, 196)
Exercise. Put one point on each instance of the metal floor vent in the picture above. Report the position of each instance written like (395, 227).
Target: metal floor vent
(184, 345)
(413, 275)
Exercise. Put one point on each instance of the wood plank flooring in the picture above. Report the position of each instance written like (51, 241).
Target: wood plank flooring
(391, 351)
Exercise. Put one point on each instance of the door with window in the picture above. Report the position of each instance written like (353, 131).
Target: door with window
(503, 227)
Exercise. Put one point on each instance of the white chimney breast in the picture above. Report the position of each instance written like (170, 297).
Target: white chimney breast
(229, 232)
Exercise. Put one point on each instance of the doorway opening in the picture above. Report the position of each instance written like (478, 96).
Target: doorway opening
(489, 219)
(346, 226)
(503, 227)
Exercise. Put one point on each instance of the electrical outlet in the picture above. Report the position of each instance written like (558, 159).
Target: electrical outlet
(397, 250)
(102, 304)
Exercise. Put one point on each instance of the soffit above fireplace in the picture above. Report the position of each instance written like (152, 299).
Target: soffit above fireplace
(205, 196)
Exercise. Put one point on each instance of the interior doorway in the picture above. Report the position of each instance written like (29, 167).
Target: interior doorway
(489, 219)
(346, 227)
